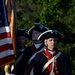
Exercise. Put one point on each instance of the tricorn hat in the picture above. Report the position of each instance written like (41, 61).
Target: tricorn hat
(50, 34)
(37, 27)
(22, 32)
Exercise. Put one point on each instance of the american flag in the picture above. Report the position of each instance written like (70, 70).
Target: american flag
(6, 46)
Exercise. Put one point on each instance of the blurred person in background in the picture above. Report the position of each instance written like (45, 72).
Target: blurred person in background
(37, 45)
(23, 51)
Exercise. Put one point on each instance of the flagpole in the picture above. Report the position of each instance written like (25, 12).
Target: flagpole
(11, 11)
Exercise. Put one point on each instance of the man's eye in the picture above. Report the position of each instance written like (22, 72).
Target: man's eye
(50, 40)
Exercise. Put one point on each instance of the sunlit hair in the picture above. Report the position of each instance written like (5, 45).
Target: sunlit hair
(45, 42)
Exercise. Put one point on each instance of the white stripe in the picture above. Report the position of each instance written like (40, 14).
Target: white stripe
(8, 73)
(31, 73)
(51, 31)
(50, 61)
(30, 30)
(35, 55)
(5, 41)
(19, 58)
(43, 33)
(4, 29)
(6, 53)
(12, 68)
(46, 65)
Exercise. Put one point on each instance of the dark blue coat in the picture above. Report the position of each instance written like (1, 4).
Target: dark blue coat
(63, 64)
(22, 65)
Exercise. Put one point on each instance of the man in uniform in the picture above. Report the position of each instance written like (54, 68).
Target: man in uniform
(37, 45)
(22, 38)
(23, 52)
(51, 61)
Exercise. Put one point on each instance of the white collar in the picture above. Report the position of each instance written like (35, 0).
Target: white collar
(52, 52)
(37, 45)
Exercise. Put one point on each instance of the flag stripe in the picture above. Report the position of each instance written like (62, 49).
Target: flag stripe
(5, 47)
(3, 35)
(4, 29)
(5, 32)
(5, 41)
(6, 59)
(6, 53)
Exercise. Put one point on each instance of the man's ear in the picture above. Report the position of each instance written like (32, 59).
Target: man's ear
(45, 42)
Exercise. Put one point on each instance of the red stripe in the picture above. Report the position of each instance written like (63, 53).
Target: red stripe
(6, 59)
(49, 56)
(5, 35)
(6, 47)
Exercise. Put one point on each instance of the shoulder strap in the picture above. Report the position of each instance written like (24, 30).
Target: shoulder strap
(19, 58)
(35, 54)
(31, 73)
(50, 61)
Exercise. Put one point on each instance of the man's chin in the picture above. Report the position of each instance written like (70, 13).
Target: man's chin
(34, 39)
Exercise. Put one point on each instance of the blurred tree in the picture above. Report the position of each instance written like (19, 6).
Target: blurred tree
(55, 14)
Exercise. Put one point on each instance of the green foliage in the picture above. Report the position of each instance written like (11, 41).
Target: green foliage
(55, 14)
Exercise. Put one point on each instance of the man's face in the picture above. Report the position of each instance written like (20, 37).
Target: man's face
(21, 41)
(35, 35)
(51, 43)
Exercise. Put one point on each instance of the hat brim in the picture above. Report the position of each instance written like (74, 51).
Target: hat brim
(48, 34)
(22, 33)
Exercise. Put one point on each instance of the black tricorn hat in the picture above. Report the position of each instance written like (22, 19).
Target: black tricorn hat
(22, 32)
(50, 34)
(37, 27)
